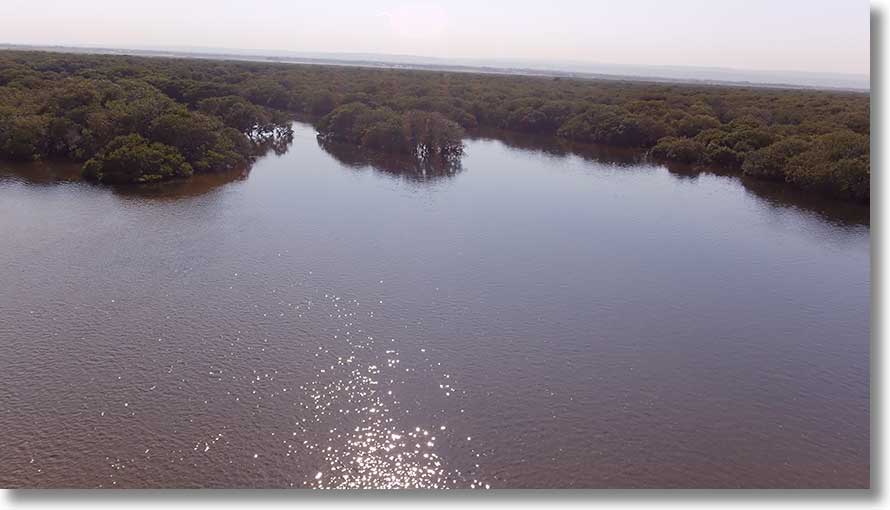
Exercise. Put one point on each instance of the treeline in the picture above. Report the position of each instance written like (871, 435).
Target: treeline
(429, 137)
(114, 116)
(816, 140)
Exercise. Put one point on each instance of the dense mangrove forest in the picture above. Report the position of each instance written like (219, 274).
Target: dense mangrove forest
(142, 119)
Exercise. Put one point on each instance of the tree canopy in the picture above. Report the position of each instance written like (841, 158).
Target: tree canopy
(132, 158)
(121, 119)
(219, 114)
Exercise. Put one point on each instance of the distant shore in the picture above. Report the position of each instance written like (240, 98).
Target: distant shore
(644, 74)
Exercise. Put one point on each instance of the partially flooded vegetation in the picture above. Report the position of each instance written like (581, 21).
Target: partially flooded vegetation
(144, 119)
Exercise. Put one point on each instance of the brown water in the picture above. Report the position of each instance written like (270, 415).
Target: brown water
(534, 319)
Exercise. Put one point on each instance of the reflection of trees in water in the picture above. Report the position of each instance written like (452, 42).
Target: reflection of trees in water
(779, 196)
(775, 194)
(199, 184)
(40, 172)
(43, 173)
(561, 148)
(396, 165)
(277, 141)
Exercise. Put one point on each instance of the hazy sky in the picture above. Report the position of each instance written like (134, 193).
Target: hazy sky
(811, 35)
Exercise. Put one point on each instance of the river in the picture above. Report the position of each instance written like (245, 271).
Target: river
(531, 319)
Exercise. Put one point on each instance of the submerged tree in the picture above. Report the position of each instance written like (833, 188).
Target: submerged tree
(427, 136)
(432, 137)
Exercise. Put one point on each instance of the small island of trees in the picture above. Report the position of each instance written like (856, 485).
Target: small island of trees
(144, 119)
(430, 137)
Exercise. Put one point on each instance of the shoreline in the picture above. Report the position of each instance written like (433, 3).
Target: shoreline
(784, 136)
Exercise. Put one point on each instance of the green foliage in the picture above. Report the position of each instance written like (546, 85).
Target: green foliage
(199, 138)
(838, 164)
(74, 107)
(612, 125)
(23, 137)
(222, 113)
(691, 125)
(133, 159)
(385, 131)
(320, 102)
(426, 135)
(237, 112)
(347, 123)
(683, 150)
(728, 148)
(432, 137)
(769, 162)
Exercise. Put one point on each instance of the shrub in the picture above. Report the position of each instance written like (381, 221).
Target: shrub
(24, 137)
(690, 126)
(133, 159)
(837, 164)
(769, 162)
(612, 125)
(426, 135)
(683, 150)
(432, 137)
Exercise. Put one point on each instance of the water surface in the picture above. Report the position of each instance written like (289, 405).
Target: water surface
(532, 319)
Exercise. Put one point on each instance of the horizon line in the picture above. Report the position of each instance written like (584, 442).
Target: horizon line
(483, 63)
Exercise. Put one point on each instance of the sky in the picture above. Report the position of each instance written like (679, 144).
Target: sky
(779, 35)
